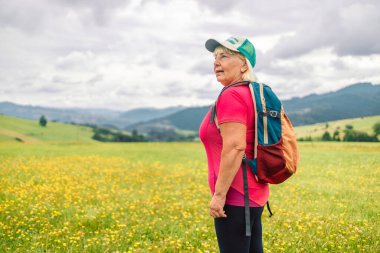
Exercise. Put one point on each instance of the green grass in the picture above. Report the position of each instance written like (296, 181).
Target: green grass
(153, 197)
(30, 131)
(316, 131)
(6, 138)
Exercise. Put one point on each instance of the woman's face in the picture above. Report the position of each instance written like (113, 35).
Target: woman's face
(228, 68)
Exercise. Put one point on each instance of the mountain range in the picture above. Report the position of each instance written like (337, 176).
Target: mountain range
(100, 117)
(357, 100)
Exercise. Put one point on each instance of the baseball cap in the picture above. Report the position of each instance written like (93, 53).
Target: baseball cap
(237, 44)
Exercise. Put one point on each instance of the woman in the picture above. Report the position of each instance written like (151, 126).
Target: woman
(226, 146)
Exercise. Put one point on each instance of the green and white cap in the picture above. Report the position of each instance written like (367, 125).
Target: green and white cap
(237, 44)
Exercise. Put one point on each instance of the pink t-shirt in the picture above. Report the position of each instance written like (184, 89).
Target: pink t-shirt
(234, 105)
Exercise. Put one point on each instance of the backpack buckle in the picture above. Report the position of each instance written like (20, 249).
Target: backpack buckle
(273, 114)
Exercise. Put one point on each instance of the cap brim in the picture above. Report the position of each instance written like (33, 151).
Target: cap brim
(211, 44)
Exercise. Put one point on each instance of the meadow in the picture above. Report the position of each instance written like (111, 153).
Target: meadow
(153, 197)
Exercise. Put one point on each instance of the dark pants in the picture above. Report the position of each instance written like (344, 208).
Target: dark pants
(230, 231)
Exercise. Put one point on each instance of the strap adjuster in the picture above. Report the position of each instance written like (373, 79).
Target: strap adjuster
(273, 114)
(270, 113)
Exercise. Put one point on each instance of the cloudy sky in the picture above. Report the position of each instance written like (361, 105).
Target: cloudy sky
(150, 53)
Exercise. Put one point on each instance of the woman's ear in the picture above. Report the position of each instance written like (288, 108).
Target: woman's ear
(244, 68)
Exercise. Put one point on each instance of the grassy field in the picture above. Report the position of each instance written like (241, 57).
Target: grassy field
(30, 131)
(316, 130)
(153, 197)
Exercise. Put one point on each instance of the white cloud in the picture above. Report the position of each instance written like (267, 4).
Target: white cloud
(126, 54)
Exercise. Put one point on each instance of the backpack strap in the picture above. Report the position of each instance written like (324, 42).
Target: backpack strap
(246, 199)
(265, 119)
(213, 117)
(255, 110)
(270, 211)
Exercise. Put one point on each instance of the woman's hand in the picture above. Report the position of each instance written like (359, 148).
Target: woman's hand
(216, 206)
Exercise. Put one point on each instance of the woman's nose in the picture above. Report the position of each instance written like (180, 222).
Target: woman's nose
(216, 62)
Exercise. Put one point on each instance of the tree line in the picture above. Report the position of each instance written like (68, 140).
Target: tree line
(107, 135)
(349, 134)
(154, 135)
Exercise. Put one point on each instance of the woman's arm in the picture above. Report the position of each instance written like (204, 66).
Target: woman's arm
(234, 143)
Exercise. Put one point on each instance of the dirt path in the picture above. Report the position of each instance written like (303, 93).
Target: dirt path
(22, 137)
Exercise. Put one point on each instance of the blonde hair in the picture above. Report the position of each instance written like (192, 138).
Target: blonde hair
(248, 75)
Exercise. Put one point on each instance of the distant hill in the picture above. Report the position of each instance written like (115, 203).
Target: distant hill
(25, 130)
(100, 117)
(358, 100)
(186, 119)
(143, 114)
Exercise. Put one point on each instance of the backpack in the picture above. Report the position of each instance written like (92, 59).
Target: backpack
(275, 149)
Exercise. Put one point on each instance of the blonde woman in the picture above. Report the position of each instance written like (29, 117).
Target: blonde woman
(226, 140)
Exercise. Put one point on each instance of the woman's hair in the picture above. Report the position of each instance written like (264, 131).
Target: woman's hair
(247, 75)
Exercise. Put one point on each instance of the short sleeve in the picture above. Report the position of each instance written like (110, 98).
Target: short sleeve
(231, 107)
